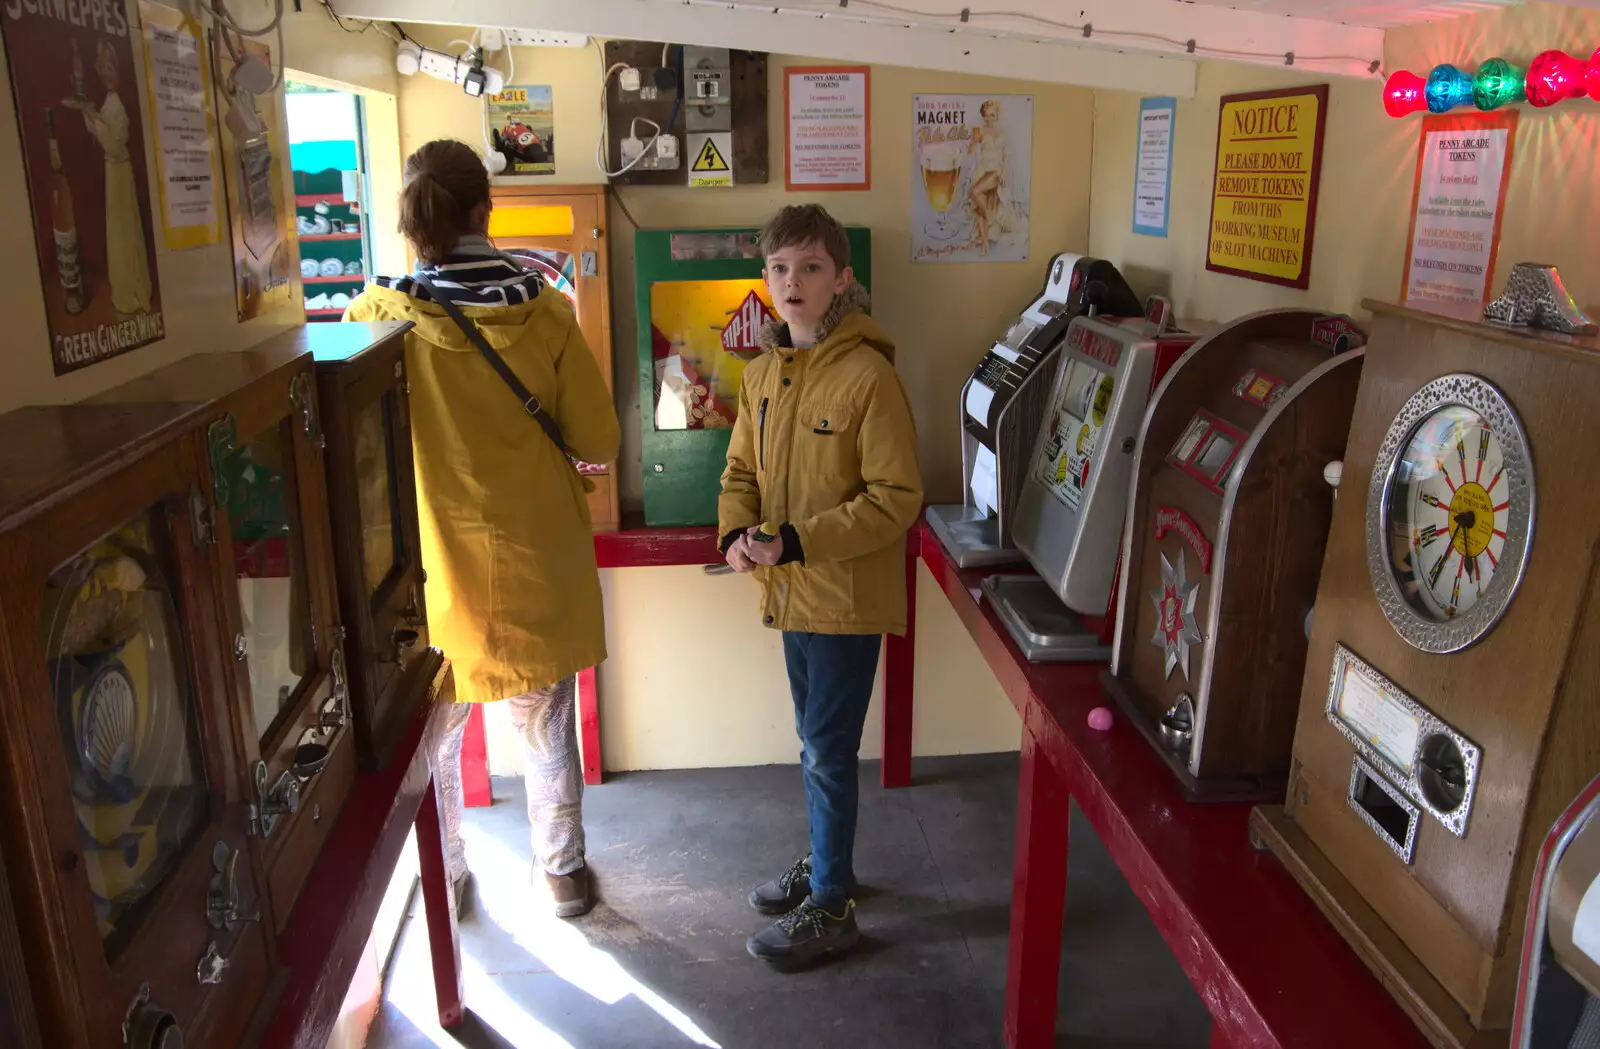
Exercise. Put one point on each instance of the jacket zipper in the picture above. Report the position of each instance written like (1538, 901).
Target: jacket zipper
(761, 435)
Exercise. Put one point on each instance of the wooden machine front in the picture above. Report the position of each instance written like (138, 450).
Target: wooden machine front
(1225, 537)
(126, 808)
(266, 516)
(566, 227)
(365, 399)
(1448, 703)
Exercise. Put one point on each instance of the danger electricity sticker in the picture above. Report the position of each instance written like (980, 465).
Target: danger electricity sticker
(712, 166)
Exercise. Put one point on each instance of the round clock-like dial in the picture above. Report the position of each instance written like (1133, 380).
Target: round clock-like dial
(1448, 507)
(1450, 513)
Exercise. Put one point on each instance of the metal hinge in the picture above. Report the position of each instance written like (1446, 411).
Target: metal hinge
(202, 519)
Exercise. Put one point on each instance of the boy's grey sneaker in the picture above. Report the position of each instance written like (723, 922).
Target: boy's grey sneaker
(805, 934)
(785, 892)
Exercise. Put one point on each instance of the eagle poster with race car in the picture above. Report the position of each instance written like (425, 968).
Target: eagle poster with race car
(522, 124)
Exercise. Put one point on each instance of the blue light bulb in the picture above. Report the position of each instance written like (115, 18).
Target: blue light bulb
(1448, 87)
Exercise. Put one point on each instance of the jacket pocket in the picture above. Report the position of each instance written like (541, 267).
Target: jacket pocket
(830, 420)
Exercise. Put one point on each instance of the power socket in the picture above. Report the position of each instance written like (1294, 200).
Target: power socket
(628, 79)
(667, 147)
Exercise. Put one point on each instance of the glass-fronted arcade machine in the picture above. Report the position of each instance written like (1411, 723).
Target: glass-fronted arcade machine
(560, 231)
(706, 303)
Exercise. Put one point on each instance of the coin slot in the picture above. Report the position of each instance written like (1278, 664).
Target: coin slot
(1384, 809)
(1442, 773)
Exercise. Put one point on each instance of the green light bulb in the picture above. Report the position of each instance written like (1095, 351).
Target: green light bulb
(1497, 83)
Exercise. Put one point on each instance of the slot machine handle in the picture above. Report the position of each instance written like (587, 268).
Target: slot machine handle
(1094, 297)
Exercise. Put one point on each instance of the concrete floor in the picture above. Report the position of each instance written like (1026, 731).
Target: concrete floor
(661, 960)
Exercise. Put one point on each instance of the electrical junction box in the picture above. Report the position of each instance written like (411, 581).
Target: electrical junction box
(713, 102)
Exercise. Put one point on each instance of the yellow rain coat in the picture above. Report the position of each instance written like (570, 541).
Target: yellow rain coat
(513, 592)
(825, 442)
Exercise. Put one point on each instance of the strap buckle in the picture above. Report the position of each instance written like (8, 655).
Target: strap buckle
(532, 405)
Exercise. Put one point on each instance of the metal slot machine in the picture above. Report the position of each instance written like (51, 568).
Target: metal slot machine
(1226, 522)
(706, 303)
(1075, 492)
(1558, 991)
(1003, 402)
(560, 231)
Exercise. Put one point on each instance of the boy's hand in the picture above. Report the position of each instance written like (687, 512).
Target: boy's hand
(768, 553)
(738, 556)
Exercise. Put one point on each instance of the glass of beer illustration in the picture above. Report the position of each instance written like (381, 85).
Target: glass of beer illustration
(941, 177)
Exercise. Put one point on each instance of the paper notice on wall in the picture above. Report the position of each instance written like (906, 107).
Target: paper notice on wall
(985, 482)
(979, 398)
(180, 103)
(1459, 198)
(1586, 923)
(1153, 171)
(829, 127)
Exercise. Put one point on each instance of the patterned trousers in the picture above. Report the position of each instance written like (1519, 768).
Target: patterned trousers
(547, 722)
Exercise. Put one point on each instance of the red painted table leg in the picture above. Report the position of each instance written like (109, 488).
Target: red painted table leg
(589, 725)
(899, 677)
(439, 905)
(475, 792)
(1038, 902)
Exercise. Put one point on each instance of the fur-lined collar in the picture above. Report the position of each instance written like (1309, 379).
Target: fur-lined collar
(775, 334)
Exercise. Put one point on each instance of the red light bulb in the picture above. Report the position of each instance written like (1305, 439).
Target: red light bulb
(1555, 76)
(1403, 93)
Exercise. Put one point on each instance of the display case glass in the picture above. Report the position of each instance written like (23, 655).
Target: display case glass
(372, 504)
(124, 817)
(129, 727)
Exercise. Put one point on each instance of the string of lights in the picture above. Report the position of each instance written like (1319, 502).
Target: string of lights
(966, 19)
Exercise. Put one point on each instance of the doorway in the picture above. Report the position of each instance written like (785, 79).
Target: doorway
(328, 150)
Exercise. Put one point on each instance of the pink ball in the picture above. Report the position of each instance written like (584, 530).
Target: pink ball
(1100, 719)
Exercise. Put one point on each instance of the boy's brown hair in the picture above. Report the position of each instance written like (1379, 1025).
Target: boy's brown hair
(803, 224)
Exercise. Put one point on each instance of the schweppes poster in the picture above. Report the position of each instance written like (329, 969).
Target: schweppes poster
(83, 145)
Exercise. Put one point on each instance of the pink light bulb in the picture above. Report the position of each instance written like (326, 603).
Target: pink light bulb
(1593, 75)
(1403, 93)
(1555, 76)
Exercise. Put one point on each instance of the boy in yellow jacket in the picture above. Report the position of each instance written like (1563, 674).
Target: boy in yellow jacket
(820, 488)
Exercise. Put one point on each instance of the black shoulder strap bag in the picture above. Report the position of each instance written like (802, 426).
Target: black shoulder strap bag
(530, 403)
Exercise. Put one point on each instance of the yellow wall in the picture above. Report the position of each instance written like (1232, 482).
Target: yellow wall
(694, 681)
(943, 316)
(1368, 169)
(196, 285)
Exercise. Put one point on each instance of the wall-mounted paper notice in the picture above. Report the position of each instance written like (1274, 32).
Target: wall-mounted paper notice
(979, 398)
(985, 481)
(1586, 924)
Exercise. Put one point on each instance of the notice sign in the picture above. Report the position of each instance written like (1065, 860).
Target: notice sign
(1153, 174)
(180, 104)
(712, 163)
(829, 127)
(1264, 196)
(1460, 194)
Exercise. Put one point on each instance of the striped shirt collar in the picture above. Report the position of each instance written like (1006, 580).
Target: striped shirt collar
(475, 273)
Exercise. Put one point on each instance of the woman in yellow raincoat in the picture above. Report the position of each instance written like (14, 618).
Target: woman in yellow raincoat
(513, 592)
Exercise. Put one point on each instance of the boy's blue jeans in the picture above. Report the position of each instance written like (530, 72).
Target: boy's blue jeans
(830, 677)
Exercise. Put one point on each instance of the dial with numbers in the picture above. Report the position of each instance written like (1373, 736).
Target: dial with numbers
(1448, 505)
(1450, 513)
